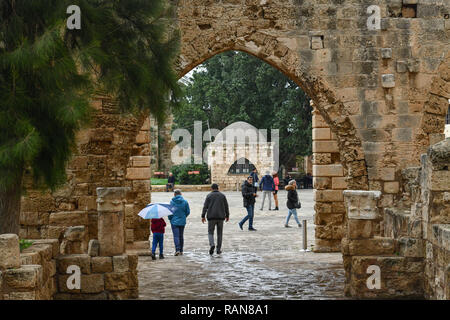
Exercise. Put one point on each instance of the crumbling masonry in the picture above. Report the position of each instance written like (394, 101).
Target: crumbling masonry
(383, 95)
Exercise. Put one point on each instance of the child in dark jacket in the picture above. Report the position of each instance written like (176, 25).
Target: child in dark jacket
(158, 226)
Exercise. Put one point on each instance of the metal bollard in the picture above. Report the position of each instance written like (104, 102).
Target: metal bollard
(305, 237)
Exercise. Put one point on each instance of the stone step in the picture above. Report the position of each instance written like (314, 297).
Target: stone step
(365, 247)
(401, 223)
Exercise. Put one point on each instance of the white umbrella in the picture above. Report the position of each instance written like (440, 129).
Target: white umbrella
(156, 211)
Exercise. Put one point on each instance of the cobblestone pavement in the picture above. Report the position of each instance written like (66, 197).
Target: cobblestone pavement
(266, 264)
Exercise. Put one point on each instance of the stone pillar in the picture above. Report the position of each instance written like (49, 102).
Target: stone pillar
(328, 183)
(111, 230)
(9, 251)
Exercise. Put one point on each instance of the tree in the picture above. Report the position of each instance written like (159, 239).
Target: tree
(235, 86)
(49, 73)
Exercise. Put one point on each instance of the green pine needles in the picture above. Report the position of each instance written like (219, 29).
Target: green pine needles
(48, 74)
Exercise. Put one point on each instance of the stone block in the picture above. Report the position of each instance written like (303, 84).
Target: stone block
(321, 183)
(93, 248)
(386, 53)
(143, 137)
(87, 203)
(25, 277)
(369, 247)
(81, 260)
(339, 183)
(92, 283)
(133, 261)
(359, 229)
(388, 81)
(410, 247)
(141, 161)
(143, 173)
(316, 42)
(101, 264)
(9, 251)
(440, 180)
(120, 263)
(129, 235)
(319, 122)
(332, 170)
(75, 233)
(53, 242)
(117, 281)
(362, 204)
(325, 146)
(30, 258)
(328, 195)
(391, 187)
(69, 218)
(321, 158)
(321, 134)
(402, 66)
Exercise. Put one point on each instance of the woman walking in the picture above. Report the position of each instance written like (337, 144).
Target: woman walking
(178, 220)
(292, 202)
(276, 181)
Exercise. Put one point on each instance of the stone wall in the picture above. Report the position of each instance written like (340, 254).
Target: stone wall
(46, 270)
(413, 250)
(113, 152)
(329, 183)
(30, 274)
(383, 93)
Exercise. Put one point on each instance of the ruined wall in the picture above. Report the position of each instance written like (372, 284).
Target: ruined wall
(413, 252)
(383, 93)
(329, 183)
(102, 159)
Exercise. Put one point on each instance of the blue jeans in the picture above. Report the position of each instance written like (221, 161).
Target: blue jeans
(249, 217)
(158, 239)
(294, 213)
(178, 237)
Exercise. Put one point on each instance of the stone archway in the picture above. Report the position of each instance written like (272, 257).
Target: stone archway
(380, 91)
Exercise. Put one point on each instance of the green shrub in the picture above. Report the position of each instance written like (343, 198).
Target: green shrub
(182, 177)
(25, 244)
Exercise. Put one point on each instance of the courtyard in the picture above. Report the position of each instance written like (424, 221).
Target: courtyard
(266, 264)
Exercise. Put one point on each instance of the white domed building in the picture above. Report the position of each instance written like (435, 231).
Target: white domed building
(235, 151)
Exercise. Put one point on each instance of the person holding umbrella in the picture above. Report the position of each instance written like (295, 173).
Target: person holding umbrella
(181, 210)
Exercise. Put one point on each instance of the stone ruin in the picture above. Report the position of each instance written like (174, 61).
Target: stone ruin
(43, 271)
(383, 94)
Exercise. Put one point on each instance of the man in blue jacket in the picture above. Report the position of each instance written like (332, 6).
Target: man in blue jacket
(267, 186)
(178, 220)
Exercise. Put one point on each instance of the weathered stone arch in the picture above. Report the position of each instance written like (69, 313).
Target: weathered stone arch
(286, 60)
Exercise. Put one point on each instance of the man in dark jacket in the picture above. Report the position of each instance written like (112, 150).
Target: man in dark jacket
(254, 175)
(248, 195)
(216, 210)
(267, 186)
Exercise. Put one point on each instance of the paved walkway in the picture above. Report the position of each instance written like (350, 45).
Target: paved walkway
(266, 264)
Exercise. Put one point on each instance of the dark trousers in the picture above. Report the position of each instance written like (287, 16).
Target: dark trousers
(158, 239)
(169, 186)
(178, 237)
(211, 226)
(249, 217)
